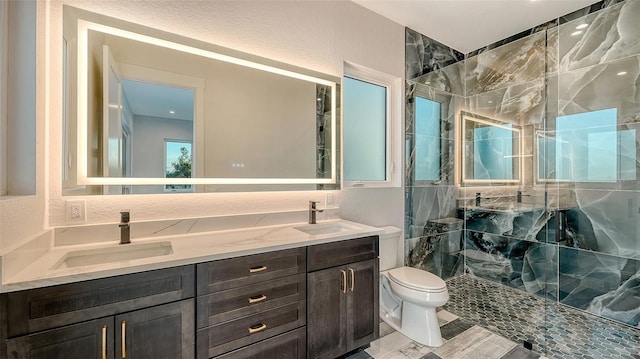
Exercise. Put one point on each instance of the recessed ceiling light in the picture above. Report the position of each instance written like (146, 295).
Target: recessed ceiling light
(576, 33)
(621, 73)
(172, 112)
(581, 26)
(490, 101)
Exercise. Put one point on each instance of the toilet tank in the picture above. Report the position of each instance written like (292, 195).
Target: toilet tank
(389, 244)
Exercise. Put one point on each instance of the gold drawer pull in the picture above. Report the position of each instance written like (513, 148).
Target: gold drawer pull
(257, 269)
(104, 341)
(344, 281)
(257, 298)
(257, 328)
(353, 279)
(124, 339)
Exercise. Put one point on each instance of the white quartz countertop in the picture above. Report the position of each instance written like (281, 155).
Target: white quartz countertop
(52, 269)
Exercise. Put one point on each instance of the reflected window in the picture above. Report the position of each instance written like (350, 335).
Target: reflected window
(427, 140)
(493, 152)
(177, 163)
(588, 147)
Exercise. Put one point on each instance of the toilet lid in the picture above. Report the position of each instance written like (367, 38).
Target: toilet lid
(417, 279)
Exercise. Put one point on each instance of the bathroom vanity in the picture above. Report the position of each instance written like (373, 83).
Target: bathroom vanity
(314, 298)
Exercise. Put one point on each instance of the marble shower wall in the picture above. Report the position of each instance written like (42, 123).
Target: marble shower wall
(433, 234)
(577, 243)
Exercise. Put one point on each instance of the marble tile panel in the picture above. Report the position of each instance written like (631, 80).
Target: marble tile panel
(423, 54)
(610, 85)
(437, 252)
(425, 203)
(525, 265)
(601, 284)
(552, 51)
(518, 62)
(521, 104)
(548, 25)
(588, 10)
(604, 221)
(513, 223)
(449, 79)
(611, 34)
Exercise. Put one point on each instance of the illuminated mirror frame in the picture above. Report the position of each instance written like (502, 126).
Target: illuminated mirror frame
(466, 116)
(83, 28)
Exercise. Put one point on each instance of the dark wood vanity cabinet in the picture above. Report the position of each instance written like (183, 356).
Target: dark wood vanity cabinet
(343, 300)
(252, 306)
(137, 316)
(255, 306)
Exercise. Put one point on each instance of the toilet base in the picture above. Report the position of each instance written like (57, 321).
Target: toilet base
(421, 324)
(418, 323)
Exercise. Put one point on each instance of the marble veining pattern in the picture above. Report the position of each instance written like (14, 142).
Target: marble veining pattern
(515, 63)
(612, 34)
(423, 54)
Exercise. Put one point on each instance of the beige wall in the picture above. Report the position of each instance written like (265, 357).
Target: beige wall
(318, 35)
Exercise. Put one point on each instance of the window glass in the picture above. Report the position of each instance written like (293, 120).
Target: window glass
(591, 148)
(365, 131)
(493, 152)
(427, 140)
(177, 163)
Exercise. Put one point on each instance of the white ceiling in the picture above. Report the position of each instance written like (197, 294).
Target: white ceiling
(468, 25)
(159, 101)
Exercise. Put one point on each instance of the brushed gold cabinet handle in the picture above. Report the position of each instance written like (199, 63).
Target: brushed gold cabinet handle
(257, 298)
(344, 281)
(353, 279)
(257, 328)
(104, 341)
(257, 269)
(124, 339)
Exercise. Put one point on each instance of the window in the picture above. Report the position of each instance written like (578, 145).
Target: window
(371, 122)
(177, 159)
(427, 139)
(587, 147)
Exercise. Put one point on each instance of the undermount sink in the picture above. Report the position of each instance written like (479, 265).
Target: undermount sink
(326, 228)
(119, 253)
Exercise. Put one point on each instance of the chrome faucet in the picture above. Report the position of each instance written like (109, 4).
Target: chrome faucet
(312, 212)
(124, 227)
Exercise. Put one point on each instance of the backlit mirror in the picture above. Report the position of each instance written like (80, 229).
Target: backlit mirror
(490, 151)
(152, 112)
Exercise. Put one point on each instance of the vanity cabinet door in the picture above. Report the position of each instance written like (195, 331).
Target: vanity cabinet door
(34, 310)
(326, 315)
(163, 332)
(92, 339)
(363, 303)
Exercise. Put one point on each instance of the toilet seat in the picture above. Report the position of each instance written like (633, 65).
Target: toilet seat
(417, 279)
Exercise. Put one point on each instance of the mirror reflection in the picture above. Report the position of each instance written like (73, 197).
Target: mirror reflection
(491, 150)
(174, 116)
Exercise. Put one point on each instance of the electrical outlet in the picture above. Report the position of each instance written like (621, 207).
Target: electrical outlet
(76, 211)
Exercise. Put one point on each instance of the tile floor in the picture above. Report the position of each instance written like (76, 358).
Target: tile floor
(495, 320)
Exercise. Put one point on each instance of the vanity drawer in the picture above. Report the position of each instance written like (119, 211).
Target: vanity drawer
(228, 336)
(236, 272)
(290, 345)
(34, 310)
(333, 254)
(239, 302)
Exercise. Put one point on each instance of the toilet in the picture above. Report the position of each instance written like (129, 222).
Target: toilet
(409, 296)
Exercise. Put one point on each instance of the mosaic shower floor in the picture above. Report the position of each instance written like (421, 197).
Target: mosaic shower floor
(484, 320)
